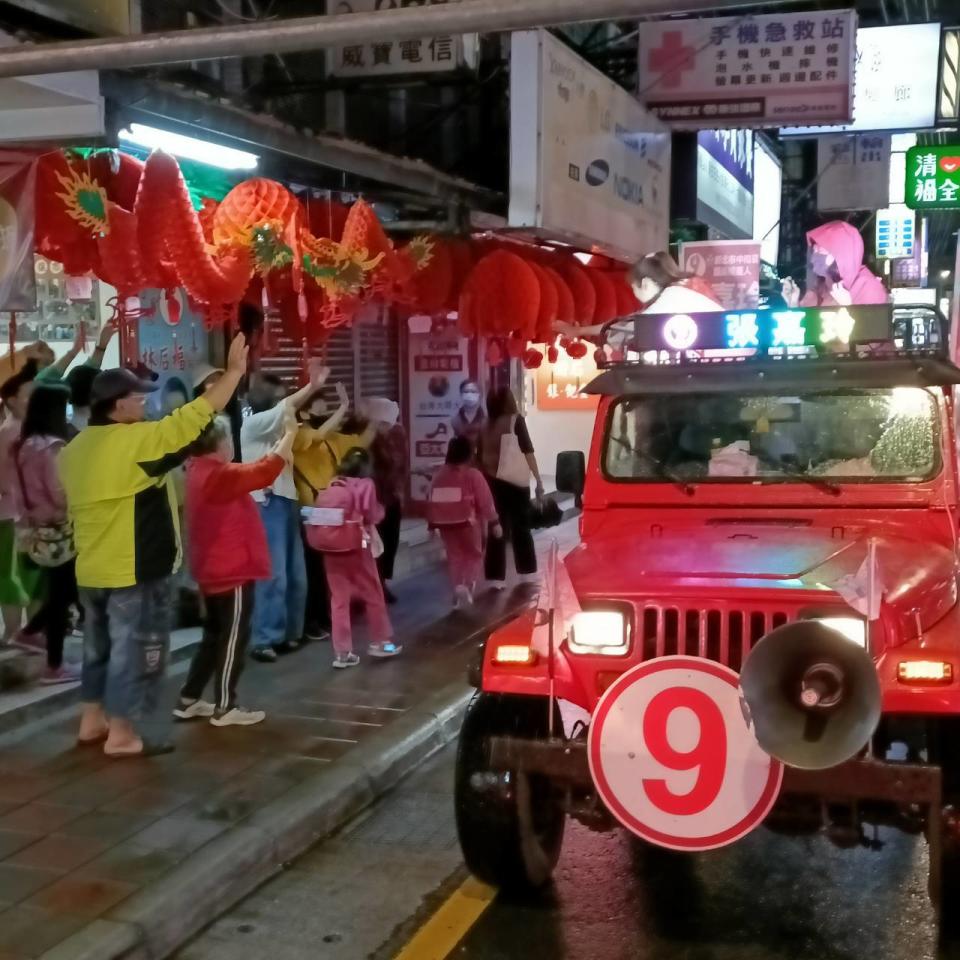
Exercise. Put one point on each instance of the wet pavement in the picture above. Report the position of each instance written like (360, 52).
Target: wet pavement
(365, 893)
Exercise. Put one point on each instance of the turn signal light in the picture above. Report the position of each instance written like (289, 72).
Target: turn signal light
(514, 653)
(925, 671)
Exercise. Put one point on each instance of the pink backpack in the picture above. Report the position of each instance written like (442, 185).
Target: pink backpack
(449, 507)
(330, 530)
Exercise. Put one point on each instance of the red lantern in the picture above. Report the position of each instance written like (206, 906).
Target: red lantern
(120, 263)
(577, 350)
(584, 293)
(532, 359)
(501, 296)
(432, 282)
(627, 302)
(461, 263)
(565, 306)
(549, 300)
(606, 305)
(494, 354)
(553, 354)
(326, 218)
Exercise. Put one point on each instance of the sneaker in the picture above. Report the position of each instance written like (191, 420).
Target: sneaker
(288, 646)
(462, 597)
(238, 717)
(344, 660)
(264, 654)
(187, 710)
(498, 585)
(50, 677)
(384, 650)
(31, 642)
(316, 635)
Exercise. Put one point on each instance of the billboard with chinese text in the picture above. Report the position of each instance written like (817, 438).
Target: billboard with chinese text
(933, 178)
(853, 172)
(763, 71)
(730, 267)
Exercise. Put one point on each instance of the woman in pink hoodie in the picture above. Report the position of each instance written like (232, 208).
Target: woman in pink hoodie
(42, 514)
(838, 277)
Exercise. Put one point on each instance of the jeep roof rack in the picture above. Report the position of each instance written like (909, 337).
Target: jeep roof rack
(854, 347)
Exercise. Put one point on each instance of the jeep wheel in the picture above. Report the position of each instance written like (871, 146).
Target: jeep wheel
(510, 827)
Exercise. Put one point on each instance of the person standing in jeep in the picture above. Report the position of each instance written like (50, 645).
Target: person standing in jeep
(116, 476)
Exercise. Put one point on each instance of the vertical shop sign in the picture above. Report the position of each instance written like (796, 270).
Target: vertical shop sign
(730, 267)
(769, 70)
(438, 363)
(559, 384)
(853, 172)
(18, 289)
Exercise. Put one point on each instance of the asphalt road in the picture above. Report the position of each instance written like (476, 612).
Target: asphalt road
(367, 892)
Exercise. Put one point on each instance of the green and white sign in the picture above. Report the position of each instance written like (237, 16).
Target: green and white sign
(933, 178)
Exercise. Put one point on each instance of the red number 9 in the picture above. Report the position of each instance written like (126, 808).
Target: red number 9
(709, 754)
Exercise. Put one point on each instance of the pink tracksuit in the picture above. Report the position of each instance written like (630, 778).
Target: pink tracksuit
(353, 576)
(464, 544)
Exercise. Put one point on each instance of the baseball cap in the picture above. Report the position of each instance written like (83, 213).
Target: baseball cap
(114, 384)
(202, 371)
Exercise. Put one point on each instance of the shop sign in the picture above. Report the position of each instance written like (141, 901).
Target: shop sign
(172, 350)
(559, 384)
(933, 178)
(730, 267)
(767, 200)
(18, 288)
(588, 165)
(382, 56)
(896, 232)
(896, 80)
(853, 172)
(725, 181)
(438, 363)
(768, 70)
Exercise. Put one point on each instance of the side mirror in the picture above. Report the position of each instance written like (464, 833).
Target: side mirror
(572, 473)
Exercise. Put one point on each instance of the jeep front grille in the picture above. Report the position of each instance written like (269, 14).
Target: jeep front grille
(725, 636)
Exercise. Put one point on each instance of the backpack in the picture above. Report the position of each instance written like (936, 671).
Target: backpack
(448, 507)
(330, 530)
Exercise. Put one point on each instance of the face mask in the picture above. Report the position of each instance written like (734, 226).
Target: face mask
(820, 263)
(470, 399)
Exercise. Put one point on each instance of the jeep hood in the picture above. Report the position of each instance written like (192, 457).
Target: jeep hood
(715, 561)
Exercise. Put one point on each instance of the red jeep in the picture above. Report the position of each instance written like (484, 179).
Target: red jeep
(745, 467)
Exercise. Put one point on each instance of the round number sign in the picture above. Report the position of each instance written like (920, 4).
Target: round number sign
(674, 759)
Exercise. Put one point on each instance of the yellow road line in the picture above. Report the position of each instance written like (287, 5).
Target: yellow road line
(448, 926)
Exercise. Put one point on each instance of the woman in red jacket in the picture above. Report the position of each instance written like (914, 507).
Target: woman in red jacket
(228, 552)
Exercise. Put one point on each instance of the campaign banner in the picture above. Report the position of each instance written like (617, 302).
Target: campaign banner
(730, 267)
(18, 287)
(437, 364)
(764, 71)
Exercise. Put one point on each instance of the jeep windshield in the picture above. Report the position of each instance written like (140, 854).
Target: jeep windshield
(823, 438)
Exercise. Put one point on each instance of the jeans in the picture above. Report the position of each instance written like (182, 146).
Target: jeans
(126, 644)
(279, 603)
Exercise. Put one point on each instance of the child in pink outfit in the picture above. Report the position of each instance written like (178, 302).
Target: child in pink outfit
(351, 569)
(462, 509)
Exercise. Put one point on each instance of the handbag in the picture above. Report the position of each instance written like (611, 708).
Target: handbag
(44, 544)
(513, 467)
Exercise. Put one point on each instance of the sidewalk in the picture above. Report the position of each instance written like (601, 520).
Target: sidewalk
(103, 859)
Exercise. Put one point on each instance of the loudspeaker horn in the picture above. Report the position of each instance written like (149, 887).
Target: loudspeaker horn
(813, 695)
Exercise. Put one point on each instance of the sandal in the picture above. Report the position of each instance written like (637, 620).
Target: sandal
(151, 748)
(92, 741)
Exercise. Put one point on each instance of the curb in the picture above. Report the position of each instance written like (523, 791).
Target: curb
(161, 918)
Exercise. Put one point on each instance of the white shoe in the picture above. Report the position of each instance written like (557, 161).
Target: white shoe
(345, 660)
(193, 711)
(384, 650)
(238, 717)
(498, 585)
(462, 597)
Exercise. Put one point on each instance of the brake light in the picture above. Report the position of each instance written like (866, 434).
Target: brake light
(925, 671)
(514, 653)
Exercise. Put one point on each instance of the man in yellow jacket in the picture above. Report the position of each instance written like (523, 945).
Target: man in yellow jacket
(123, 508)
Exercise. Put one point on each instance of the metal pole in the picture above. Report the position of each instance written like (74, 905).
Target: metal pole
(311, 33)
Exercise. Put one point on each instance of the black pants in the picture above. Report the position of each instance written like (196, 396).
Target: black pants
(513, 509)
(317, 615)
(53, 618)
(223, 647)
(389, 530)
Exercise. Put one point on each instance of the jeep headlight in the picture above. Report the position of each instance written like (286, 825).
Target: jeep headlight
(603, 632)
(852, 628)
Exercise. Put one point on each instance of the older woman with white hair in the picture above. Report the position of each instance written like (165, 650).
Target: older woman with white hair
(391, 470)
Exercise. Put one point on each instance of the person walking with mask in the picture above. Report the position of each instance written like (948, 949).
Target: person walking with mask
(280, 602)
(470, 419)
(116, 477)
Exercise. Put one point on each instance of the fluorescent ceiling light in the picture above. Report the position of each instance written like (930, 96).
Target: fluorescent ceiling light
(180, 146)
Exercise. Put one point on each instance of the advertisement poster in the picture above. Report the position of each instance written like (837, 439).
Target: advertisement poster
(770, 70)
(896, 232)
(725, 181)
(438, 363)
(172, 351)
(559, 384)
(588, 165)
(731, 267)
(895, 87)
(18, 289)
(853, 172)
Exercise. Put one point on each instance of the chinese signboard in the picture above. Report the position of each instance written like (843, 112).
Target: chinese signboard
(438, 364)
(767, 70)
(896, 80)
(588, 165)
(559, 384)
(933, 178)
(896, 233)
(730, 267)
(725, 181)
(18, 289)
(853, 172)
(381, 56)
